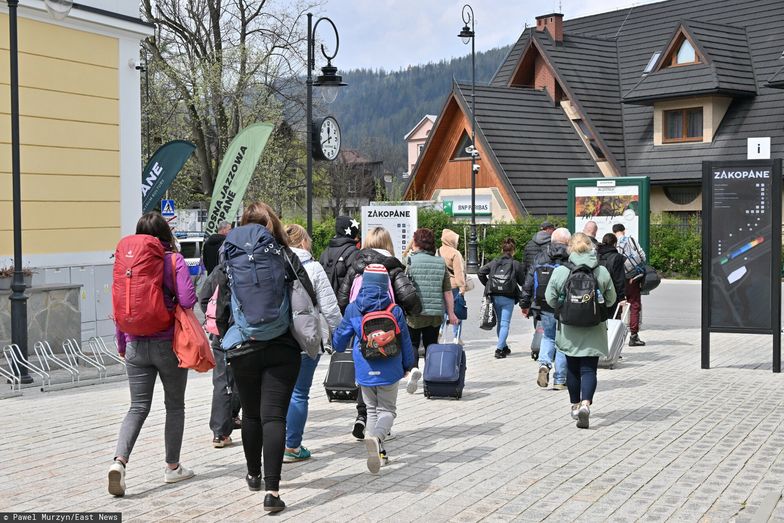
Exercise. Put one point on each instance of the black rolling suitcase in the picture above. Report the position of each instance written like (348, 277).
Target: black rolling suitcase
(536, 341)
(340, 382)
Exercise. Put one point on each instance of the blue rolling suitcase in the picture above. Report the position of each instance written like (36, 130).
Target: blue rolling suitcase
(445, 368)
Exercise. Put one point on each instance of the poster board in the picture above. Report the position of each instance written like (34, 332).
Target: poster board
(399, 220)
(741, 251)
(608, 201)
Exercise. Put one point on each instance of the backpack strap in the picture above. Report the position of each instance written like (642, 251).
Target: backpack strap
(174, 277)
(389, 309)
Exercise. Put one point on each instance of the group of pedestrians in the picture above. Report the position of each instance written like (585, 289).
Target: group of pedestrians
(570, 285)
(364, 297)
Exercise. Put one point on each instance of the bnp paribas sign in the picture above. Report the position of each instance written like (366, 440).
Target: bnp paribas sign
(461, 205)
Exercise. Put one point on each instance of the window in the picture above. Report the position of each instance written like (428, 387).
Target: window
(682, 53)
(683, 125)
(460, 151)
(352, 185)
(590, 140)
(420, 148)
(652, 62)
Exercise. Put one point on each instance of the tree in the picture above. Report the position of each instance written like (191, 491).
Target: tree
(348, 179)
(226, 64)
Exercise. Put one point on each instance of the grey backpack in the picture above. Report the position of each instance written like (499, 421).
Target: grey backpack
(305, 318)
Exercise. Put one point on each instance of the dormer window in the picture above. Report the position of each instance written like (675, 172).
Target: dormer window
(682, 53)
(460, 152)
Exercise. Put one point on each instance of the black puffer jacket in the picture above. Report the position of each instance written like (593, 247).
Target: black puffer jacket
(537, 244)
(405, 292)
(612, 260)
(553, 253)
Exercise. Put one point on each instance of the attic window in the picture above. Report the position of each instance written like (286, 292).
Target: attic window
(682, 53)
(460, 151)
(652, 62)
(589, 140)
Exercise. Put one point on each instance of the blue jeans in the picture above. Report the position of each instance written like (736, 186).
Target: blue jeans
(504, 306)
(298, 406)
(548, 350)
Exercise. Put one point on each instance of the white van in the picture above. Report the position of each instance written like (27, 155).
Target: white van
(190, 246)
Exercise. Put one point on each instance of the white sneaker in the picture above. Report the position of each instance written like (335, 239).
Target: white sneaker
(117, 479)
(390, 436)
(178, 474)
(413, 380)
(373, 447)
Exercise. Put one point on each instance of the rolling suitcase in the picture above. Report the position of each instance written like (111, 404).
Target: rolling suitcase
(536, 341)
(617, 329)
(340, 384)
(445, 368)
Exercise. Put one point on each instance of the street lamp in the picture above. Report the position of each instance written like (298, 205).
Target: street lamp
(18, 298)
(330, 82)
(468, 34)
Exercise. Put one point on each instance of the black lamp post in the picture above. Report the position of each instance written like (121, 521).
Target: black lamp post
(329, 81)
(18, 298)
(468, 34)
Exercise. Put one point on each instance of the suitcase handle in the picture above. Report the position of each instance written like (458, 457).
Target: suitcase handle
(624, 315)
(445, 324)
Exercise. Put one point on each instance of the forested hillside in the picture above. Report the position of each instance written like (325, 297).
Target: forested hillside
(378, 108)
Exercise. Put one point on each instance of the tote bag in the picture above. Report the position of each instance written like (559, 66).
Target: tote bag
(190, 343)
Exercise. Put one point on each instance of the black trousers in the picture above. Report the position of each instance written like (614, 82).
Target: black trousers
(426, 335)
(265, 379)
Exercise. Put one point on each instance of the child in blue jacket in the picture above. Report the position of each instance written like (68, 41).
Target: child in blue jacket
(378, 378)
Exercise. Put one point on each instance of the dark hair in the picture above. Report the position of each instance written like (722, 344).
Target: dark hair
(425, 240)
(609, 239)
(508, 246)
(261, 213)
(153, 224)
(618, 227)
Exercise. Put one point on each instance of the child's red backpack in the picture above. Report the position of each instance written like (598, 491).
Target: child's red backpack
(137, 286)
(380, 334)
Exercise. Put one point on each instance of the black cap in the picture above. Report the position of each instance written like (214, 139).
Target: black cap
(346, 226)
(546, 225)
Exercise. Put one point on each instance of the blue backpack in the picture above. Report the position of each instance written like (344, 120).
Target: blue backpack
(256, 268)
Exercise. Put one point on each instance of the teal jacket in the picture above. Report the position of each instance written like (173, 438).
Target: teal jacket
(581, 341)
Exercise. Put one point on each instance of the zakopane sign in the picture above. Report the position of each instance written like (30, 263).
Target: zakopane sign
(161, 169)
(235, 173)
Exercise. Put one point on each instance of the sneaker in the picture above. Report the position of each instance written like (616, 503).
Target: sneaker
(219, 442)
(575, 408)
(390, 436)
(294, 455)
(373, 447)
(117, 479)
(544, 376)
(413, 380)
(635, 341)
(359, 429)
(583, 414)
(273, 503)
(237, 423)
(384, 457)
(559, 386)
(178, 474)
(254, 482)
(506, 350)
(500, 354)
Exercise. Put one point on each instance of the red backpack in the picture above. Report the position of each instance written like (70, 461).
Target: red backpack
(380, 334)
(137, 286)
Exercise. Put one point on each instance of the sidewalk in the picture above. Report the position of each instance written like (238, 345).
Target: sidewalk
(667, 441)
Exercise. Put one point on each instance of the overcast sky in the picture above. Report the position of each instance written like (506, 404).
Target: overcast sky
(394, 34)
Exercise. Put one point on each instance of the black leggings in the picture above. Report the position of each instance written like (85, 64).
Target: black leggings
(581, 377)
(428, 336)
(265, 380)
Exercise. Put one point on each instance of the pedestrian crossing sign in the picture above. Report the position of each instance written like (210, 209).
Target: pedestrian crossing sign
(167, 208)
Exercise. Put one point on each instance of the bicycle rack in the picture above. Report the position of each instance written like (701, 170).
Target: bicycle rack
(74, 353)
(16, 381)
(100, 348)
(46, 358)
(16, 360)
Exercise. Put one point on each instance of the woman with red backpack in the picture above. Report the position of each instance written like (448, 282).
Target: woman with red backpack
(150, 277)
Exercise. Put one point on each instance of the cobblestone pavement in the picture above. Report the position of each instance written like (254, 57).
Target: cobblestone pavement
(668, 441)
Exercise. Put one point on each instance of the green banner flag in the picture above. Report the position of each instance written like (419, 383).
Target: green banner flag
(161, 169)
(235, 172)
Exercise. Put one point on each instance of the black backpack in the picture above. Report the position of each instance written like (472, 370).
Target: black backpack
(502, 279)
(583, 304)
(542, 274)
(335, 264)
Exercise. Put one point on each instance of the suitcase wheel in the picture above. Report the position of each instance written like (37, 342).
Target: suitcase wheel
(534, 355)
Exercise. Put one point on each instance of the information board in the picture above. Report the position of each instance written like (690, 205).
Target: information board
(741, 249)
(399, 220)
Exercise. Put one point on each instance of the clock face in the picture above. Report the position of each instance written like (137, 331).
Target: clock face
(329, 138)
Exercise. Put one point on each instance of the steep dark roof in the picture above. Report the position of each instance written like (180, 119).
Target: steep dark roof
(642, 30)
(727, 69)
(533, 144)
(589, 68)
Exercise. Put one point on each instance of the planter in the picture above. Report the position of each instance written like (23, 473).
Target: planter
(5, 283)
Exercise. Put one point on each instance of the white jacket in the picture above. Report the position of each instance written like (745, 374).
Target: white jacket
(325, 296)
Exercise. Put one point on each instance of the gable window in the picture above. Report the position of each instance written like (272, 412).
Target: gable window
(463, 144)
(681, 53)
(683, 125)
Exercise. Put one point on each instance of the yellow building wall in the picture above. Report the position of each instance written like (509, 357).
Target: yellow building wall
(70, 140)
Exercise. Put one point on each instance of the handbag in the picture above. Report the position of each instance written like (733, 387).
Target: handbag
(461, 308)
(650, 279)
(469, 283)
(190, 342)
(487, 314)
(305, 316)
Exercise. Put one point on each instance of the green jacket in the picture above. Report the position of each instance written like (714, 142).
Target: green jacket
(427, 273)
(581, 341)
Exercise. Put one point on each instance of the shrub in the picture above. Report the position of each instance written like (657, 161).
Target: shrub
(676, 247)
